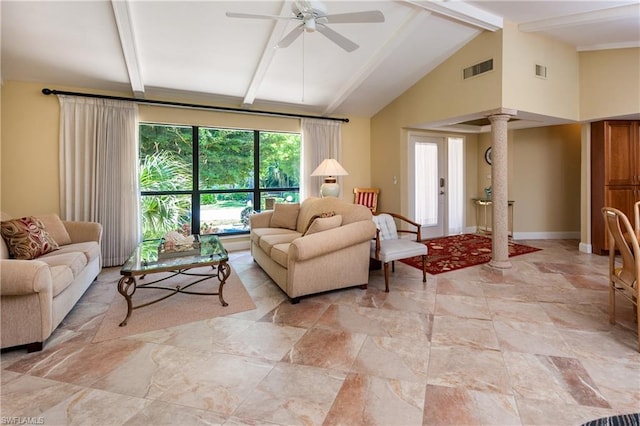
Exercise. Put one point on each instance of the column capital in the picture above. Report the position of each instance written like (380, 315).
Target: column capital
(499, 117)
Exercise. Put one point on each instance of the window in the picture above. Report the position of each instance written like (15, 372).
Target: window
(209, 179)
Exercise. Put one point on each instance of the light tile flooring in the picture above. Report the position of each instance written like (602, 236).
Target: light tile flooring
(468, 347)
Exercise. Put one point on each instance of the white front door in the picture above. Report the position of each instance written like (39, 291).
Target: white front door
(428, 183)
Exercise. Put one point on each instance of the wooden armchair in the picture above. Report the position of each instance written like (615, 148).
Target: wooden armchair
(367, 197)
(389, 247)
(622, 279)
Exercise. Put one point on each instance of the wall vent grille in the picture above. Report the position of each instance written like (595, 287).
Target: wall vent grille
(478, 69)
(541, 71)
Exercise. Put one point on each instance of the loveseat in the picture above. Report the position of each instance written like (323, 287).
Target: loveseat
(319, 245)
(37, 293)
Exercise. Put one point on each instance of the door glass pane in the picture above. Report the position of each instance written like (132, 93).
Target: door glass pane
(165, 158)
(226, 159)
(455, 185)
(426, 195)
(279, 160)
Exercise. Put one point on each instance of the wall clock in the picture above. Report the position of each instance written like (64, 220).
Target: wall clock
(487, 155)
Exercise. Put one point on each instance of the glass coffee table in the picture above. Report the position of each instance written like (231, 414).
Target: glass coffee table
(144, 261)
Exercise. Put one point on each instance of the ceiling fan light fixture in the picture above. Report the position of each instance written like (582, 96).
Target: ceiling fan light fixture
(310, 25)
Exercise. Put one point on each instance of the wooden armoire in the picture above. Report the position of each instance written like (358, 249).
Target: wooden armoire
(615, 174)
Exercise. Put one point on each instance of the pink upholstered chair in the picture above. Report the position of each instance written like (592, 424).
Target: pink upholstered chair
(367, 197)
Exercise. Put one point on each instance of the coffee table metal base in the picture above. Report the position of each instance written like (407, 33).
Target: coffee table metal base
(127, 286)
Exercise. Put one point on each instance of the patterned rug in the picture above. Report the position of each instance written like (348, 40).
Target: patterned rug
(461, 251)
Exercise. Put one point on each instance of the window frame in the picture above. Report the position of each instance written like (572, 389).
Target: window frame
(195, 192)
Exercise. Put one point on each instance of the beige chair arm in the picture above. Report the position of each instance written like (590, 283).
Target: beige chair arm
(21, 277)
(261, 220)
(81, 232)
(332, 240)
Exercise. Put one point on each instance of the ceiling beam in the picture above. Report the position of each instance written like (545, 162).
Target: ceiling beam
(462, 12)
(268, 53)
(128, 43)
(593, 17)
(399, 36)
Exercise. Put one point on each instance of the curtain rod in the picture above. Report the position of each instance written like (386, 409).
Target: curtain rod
(47, 91)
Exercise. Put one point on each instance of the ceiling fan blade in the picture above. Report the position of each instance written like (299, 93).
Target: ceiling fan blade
(337, 38)
(355, 17)
(289, 38)
(254, 16)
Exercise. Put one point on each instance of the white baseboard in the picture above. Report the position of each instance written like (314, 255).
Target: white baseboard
(585, 248)
(236, 243)
(536, 235)
(546, 235)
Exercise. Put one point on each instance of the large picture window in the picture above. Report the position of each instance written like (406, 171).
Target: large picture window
(210, 179)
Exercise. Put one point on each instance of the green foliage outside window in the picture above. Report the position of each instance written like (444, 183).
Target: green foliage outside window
(226, 175)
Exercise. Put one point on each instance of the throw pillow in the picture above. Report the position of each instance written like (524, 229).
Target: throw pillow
(26, 238)
(285, 216)
(324, 224)
(314, 217)
(56, 229)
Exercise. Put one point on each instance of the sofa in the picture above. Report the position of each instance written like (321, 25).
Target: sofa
(319, 245)
(41, 283)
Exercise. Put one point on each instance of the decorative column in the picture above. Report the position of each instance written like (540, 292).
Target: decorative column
(500, 208)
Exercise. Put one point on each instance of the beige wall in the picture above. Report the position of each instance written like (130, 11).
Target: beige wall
(556, 95)
(609, 83)
(29, 144)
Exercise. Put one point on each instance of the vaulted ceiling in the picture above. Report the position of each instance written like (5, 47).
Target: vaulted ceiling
(193, 50)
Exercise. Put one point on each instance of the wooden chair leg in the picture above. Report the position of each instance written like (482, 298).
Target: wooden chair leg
(386, 277)
(424, 268)
(612, 303)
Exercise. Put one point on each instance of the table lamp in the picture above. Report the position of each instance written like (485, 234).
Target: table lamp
(330, 169)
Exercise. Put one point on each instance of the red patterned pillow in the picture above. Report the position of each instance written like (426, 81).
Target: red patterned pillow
(26, 238)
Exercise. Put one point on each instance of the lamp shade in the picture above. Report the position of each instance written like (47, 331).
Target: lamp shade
(329, 167)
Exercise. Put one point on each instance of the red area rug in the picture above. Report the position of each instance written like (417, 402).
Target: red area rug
(461, 251)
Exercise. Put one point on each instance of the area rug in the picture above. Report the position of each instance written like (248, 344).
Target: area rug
(175, 310)
(461, 251)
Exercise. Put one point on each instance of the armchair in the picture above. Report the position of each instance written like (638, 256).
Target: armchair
(367, 197)
(389, 247)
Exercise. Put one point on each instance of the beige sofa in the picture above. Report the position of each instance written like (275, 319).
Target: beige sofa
(36, 294)
(307, 254)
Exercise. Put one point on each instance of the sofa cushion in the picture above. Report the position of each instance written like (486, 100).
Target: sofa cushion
(62, 277)
(285, 216)
(324, 223)
(54, 226)
(26, 238)
(90, 249)
(268, 241)
(258, 233)
(280, 254)
(76, 261)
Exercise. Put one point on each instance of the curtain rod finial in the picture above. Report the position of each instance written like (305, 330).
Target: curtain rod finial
(47, 91)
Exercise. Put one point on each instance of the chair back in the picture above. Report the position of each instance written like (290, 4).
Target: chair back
(387, 226)
(367, 197)
(622, 238)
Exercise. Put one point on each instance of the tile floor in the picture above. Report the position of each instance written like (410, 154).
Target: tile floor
(468, 347)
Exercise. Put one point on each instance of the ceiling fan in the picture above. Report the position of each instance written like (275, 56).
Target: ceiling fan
(313, 17)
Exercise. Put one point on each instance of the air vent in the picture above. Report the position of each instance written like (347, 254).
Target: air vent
(541, 71)
(478, 69)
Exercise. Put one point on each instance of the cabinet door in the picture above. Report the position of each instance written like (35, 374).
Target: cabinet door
(621, 153)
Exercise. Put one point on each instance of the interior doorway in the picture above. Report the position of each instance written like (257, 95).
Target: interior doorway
(436, 191)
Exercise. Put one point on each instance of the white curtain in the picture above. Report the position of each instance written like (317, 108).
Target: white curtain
(320, 139)
(98, 170)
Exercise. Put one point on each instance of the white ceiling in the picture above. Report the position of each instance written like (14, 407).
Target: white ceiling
(192, 50)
